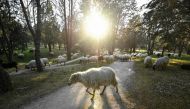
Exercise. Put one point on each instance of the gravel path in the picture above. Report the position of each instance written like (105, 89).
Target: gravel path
(75, 97)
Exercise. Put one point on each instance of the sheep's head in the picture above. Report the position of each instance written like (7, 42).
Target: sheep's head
(74, 78)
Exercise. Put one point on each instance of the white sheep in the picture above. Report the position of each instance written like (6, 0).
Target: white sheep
(74, 56)
(20, 55)
(60, 60)
(94, 78)
(148, 61)
(45, 61)
(93, 59)
(84, 60)
(108, 58)
(175, 55)
(32, 64)
(161, 63)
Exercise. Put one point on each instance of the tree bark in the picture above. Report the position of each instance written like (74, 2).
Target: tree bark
(49, 46)
(66, 33)
(38, 37)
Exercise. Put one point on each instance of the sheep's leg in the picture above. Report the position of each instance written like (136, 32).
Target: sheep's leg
(103, 90)
(116, 89)
(88, 91)
(93, 95)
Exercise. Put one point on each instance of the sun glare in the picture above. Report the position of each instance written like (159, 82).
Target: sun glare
(96, 25)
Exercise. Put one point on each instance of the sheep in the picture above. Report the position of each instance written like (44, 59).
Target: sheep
(51, 53)
(108, 58)
(157, 53)
(45, 61)
(94, 78)
(84, 60)
(60, 60)
(123, 57)
(148, 61)
(175, 55)
(9, 65)
(21, 55)
(93, 59)
(161, 63)
(31, 50)
(32, 64)
(74, 56)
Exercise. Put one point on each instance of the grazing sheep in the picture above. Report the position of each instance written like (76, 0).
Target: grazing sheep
(84, 60)
(148, 61)
(9, 65)
(93, 59)
(161, 63)
(94, 78)
(109, 58)
(74, 56)
(51, 53)
(31, 50)
(123, 57)
(45, 61)
(32, 64)
(60, 60)
(21, 55)
(175, 55)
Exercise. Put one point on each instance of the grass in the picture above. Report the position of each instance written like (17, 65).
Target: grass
(33, 85)
(169, 89)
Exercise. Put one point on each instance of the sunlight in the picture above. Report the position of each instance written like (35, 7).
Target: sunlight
(96, 25)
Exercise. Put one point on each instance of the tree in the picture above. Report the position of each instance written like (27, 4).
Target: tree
(132, 34)
(163, 22)
(67, 23)
(35, 33)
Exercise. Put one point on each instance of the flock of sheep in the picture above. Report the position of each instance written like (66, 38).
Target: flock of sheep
(103, 76)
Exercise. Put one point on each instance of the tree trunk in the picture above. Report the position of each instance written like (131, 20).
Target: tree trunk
(45, 45)
(53, 45)
(66, 33)
(163, 49)
(38, 37)
(180, 48)
(59, 46)
(5, 82)
(49, 46)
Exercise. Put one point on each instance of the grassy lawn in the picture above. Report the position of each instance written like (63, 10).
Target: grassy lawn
(34, 85)
(169, 89)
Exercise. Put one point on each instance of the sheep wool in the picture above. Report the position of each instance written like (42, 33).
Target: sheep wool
(161, 63)
(45, 61)
(148, 61)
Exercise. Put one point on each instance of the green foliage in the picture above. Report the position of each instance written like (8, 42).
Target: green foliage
(167, 26)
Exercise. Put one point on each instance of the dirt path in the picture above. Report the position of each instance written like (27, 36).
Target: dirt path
(75, 97)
